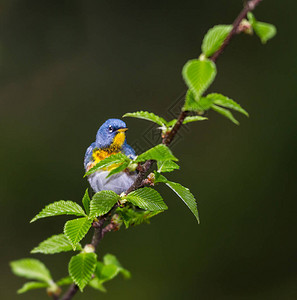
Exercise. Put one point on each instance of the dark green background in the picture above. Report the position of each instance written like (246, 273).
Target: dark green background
(67, 66)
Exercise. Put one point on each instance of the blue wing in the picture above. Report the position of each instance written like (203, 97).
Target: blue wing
(128, 151)
(88, 155)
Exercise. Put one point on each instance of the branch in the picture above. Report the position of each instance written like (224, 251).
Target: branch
(100, 231)
(171, 135)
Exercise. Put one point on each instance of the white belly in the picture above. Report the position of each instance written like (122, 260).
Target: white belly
(118, 183)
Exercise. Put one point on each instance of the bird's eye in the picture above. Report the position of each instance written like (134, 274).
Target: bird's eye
(110, 129)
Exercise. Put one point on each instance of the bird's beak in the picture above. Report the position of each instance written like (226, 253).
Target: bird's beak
(122, 129)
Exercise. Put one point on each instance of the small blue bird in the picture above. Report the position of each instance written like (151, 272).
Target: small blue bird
(110, 139)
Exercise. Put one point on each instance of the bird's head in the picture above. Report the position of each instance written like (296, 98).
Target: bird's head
(111, 133)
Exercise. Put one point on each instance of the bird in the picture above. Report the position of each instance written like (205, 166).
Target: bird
(110, 139)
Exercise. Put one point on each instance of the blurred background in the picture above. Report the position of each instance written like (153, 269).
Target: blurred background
(67, 66)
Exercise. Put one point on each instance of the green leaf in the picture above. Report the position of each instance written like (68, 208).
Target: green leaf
(86, 201)
(110, 259)
(198, 75)
(55, 244)
(32, 285)
(96, 284)
(118, 169)
(133, 217)
(108, 161)
(81, 267)
(76, 229)
(102, 202)
(214, 38)
(32, 269)
(167, 166)
(183, 192)
(171, 123)
(60, 208)
(224, 101)
(159, 152)
(147, 116)
(193, 119)
(105, 273)
(191, 104)
(264, 31)
(147, 198)
(110, 268)
(64, 281)
(226, 113)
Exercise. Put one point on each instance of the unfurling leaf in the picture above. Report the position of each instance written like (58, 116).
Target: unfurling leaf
(86, 201)
(32, 285)
(132, 217)
(214, 38)
(81, 267)
(193, 119)
(200, 105)
(183, 192)
(264, 31)
(76, 229)
(159, 152)
(32, 269)
(64, 281)
(198, 75)
(226, 113)
(106, 271)
(147, 198)
(102, 202)
(114, 159)
(224, 101)
(55, 244)
(110, 259)
(167, 166)
(147, 116)
(119, 169)
(60, 208)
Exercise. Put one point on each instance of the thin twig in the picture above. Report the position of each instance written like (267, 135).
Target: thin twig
(100, 231)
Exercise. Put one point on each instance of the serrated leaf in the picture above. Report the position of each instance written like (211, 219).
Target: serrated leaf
(159, 152)
(102, 202)
(60, 208)
(32, 269)
(118, 169)
(64, 281)
(198, 75)
(264, 31)
(147, 116)
(167, 166)
(133, 217)
(81, 268)
(107, 162)
(76, 229)
(226, 113)
(55, 244)
(193, 119)
(86, 201)
(147, 198)
(32, 285)
(183, 192)
(214, 38)
(224, 101)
